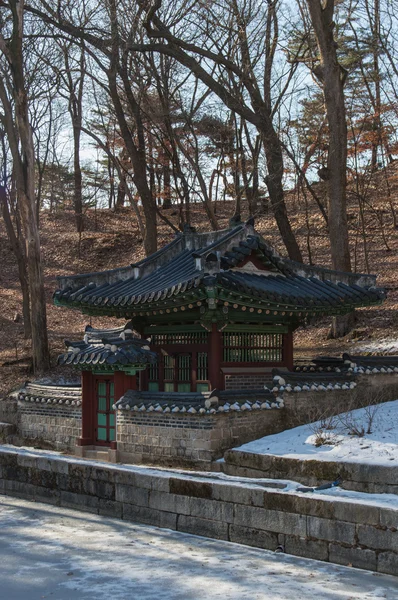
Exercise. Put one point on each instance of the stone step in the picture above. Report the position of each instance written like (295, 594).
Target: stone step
(97, 454)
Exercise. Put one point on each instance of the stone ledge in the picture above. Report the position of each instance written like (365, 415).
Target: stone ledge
(339, 531)
(356, 476)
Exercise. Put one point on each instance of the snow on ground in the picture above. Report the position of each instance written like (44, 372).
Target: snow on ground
(333, 439)
(53, 552)
(385, 346)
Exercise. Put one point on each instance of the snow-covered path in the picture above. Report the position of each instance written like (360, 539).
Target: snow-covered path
(61, 554)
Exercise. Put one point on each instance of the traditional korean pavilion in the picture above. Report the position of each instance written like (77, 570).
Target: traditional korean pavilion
(213, 310)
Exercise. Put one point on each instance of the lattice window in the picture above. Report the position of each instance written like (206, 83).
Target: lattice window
(202, 372)
(190, 337)
(202, 367)
(153, 377)
(253, 347)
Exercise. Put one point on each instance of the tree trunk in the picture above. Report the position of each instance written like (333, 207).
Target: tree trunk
(24, 167)
(274, 158)
(77, 179)
(121, 194)
(20, 258)
(332, 77)
(166, 182)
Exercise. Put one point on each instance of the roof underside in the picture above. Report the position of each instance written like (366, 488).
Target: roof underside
(180, 276)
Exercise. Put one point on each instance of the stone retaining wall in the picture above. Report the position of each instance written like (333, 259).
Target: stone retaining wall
(373, 479)
(50, 425)
(153, 438)
(339, 531)
(9, 411)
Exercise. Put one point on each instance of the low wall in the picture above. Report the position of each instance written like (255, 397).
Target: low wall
(247, 381)
(373, 479)
(308, 406)
(339, 531)
(50, 425)
(9, 411)
(174, 439)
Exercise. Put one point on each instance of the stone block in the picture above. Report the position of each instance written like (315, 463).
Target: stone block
(238, 495)
(332, 531)
(212, 509)
(149, 516)
(361, 558)
(46, 495)
(79, 501)
(253, 537)
(19, 489)
(378, 539)
(356, 513)
(270, 520)
(44, 464)
(41, 478)
(388, 518)
(60, 466)
(169, 502)
(110, 508)
(300, 546)
(187, 487)
(129, 494)
(204, 527)
(102, 474)
(27, 461)
(104, 489)
(387, 562)
(160, 483)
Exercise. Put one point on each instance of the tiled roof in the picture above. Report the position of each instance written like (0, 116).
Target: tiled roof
(350, 364)
(112, 348)
(207, 403)
(68, 395)
(295, 290)
(182, 272)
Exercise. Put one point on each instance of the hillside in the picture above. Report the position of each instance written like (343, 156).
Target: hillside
(112, 239)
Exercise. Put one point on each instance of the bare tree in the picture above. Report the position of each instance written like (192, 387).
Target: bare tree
(19, 135)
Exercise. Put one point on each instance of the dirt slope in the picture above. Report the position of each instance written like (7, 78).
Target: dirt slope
(112, 239)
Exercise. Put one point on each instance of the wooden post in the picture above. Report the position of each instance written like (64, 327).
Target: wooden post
(288, 350)
(215, 355)
(88, 410)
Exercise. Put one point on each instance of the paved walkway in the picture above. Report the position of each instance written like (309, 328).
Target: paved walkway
(61, 554)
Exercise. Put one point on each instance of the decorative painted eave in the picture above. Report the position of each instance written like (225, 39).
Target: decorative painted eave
(108, 349)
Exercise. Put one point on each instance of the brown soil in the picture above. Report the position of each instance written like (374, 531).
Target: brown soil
(112, 239)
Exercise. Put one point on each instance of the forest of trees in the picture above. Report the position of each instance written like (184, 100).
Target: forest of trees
(190, 101)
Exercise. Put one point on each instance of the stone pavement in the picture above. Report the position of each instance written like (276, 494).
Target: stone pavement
(47, 552)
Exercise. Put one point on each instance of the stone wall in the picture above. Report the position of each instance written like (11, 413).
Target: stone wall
(8, 411)
(50, 425)
(374, 479)
(247, 381)
(153, 438)
(339, 531)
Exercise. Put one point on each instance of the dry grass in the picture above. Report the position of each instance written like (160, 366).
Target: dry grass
(112, 240)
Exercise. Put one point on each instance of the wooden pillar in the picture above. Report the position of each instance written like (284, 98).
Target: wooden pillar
(119, 385)
(288, 350)
(214, 359)
(88, 409)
